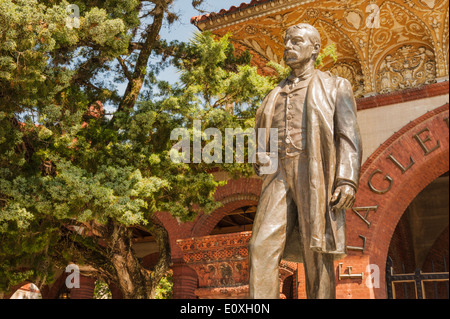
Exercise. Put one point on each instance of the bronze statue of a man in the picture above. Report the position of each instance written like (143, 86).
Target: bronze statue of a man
(301, 211)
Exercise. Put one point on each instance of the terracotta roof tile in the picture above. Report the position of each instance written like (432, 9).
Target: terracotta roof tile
(242, 6)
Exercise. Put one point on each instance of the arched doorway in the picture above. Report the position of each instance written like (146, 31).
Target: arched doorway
(393, 176)
(420, 242)
(27, 291)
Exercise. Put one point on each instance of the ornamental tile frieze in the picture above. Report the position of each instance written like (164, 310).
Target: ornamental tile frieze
(221, 263)
(218, 247)
(219, 260)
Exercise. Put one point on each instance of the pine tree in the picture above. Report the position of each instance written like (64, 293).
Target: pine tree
(80, 163)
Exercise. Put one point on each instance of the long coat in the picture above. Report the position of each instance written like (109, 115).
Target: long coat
(334, 151)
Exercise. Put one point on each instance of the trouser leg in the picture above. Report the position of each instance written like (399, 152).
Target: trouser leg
(319, 267)
(319, 274)
(268, 238)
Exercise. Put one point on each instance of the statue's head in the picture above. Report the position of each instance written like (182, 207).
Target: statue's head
(301, 44)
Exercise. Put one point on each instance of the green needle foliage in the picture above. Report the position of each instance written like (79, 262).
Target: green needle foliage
(79, 163)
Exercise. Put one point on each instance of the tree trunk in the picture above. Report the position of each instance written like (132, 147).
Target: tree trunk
(131, 278)
(114, 260)
(134, 281)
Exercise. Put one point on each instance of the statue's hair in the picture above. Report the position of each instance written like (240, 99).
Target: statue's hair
(315, 35)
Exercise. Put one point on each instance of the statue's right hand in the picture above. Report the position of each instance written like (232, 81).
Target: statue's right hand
(262, 159)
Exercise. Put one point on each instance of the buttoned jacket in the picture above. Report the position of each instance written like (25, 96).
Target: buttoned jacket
(334, 151)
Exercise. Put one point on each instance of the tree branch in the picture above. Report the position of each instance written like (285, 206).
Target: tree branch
(137, 79)
(125, 69)
(88, 68)
(96, 257)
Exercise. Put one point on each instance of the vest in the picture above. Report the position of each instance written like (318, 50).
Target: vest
(289, 120)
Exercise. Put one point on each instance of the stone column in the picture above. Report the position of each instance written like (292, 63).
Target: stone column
(115, 292)
(86, 290)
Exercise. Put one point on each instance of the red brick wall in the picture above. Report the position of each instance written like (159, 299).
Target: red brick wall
(150, 260)
(438, 251)
(435, 257)
(236, 193)
(184, 281)
(401, 249)
(57, 286)
(242, 193)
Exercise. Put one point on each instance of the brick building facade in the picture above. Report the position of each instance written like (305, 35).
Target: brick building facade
(401, 209)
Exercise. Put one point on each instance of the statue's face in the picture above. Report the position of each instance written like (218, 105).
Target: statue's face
(298, 47)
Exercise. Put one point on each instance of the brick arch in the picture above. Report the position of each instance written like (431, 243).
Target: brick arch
(235, 194)
(385, 186)
(240, 192)
(207, 224)
(14, 288)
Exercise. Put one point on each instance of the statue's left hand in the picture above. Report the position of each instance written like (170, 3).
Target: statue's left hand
(343, 197)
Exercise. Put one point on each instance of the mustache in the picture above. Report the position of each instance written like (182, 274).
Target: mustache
(291, 53)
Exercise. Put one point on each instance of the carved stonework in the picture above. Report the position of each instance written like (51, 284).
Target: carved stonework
(221, 263)
(408, 66)
(351, 26)
(215, 248)
(240, 292)
(352, 72)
